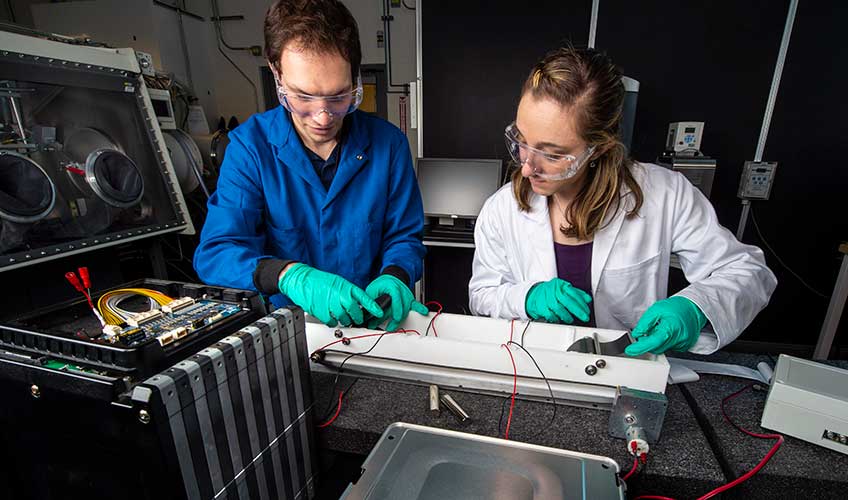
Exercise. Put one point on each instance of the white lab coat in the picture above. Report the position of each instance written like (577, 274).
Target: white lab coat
(630, 259)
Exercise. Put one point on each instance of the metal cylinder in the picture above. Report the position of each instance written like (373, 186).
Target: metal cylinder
(434, 400)
(454, 407)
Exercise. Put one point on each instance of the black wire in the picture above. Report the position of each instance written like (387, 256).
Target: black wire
(430, 324)
(339, 370)
(503, 410)
(387, 49)
(553, 398)
(329, 412)
(403, 2)
(522, 340)
(11, 11)
(796, 275)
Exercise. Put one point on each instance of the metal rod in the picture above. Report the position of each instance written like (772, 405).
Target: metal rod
(834, 312)
(454, 407)
(772, 98)
(775, 82)
(593, 23)
(419, 88)
(178, 9)
(18, 120)
(184, 46)
(216, 19)
(228, 18)
(743, 220)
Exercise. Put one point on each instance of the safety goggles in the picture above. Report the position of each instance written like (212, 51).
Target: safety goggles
(547, 166)
(305, 105)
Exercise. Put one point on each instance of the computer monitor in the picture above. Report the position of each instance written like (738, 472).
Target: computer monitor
(457, 188)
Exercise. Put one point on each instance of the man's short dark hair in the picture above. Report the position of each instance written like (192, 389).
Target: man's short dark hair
(322, 26)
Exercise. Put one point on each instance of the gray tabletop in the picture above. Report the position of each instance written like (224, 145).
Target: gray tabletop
(697, 452)
(798, 470)
(680, 464)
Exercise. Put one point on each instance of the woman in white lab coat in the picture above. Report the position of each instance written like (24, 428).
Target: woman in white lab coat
(584, 235)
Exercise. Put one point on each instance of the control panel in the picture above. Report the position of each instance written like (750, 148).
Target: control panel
(757, 179)
(684, 137)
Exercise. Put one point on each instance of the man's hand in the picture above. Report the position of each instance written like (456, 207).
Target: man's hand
(330, 298)
(402, 301)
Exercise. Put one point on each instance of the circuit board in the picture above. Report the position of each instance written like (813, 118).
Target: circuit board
(63, 366)
(179, 319)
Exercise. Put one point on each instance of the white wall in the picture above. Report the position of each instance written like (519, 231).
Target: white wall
(221, 89)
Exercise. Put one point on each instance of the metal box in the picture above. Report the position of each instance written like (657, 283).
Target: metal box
(416, 462)
(809, 401)
(233, 420)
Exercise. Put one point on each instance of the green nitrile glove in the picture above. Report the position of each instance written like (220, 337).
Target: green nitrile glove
(557, 301)
(671, 324)
(402, 301)
(330, 298)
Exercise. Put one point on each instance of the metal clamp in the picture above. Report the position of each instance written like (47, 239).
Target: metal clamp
(642, 408)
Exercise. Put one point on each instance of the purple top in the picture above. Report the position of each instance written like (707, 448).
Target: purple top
(574, 265)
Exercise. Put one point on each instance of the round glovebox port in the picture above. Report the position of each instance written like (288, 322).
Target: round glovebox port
(114, 177)
(27, 194)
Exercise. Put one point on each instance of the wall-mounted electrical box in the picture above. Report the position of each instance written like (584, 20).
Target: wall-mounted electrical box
(757, 179)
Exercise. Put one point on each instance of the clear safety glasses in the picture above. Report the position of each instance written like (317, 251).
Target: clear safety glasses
(548, 166)
(312, 105)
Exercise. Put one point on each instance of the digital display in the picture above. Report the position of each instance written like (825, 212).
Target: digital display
(690, 130)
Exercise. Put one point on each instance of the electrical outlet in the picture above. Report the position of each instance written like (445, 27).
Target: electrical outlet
(757, 179)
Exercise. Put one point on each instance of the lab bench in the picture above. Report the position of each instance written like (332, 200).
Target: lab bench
(697, 452)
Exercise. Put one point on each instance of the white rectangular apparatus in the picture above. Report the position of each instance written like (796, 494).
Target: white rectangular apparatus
(475, 354)
(809, 401)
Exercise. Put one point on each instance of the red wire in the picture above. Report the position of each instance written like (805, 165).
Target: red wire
(750, 473)
(511, 329)
(335, 415)
(362, 337)
(88, 298)
(762, 463)
(341, 394)
(632, 469)
(433, 321)
(435, 303)
(514, 390)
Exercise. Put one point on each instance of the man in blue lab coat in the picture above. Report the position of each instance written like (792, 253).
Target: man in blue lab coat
(317, 202)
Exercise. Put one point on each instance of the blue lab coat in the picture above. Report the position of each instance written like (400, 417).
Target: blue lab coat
(270, 203)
